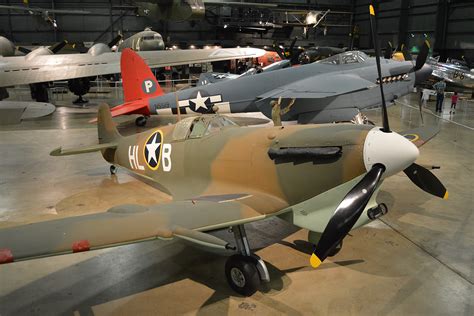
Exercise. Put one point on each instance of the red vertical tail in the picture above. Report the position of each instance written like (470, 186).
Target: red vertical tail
(138, 80)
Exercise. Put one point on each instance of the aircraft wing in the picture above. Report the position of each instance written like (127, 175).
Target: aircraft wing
(43, 68)
(125, 224)
(320, 87)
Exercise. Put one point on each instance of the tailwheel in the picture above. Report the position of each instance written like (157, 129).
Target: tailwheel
(113, 169)
(141, 121)
(242, 274)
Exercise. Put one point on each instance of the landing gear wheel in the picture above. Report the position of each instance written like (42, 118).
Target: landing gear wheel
(242, 275)
(113, 169)
(140, 121)
(334, 251)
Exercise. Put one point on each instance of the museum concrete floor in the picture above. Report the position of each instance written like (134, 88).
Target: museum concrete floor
(418, 259)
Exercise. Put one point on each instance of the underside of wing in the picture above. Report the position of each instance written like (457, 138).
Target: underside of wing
(126, 224)
(20, 70)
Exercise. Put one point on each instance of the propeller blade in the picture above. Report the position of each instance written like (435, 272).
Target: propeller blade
(292, 46)
(57, 47)
(24, 50)
(115, 41)
(373, 27)
(422, 56)
(425, 180)
(406, 53)
(347, 214)
(388, 50)
(279, 51)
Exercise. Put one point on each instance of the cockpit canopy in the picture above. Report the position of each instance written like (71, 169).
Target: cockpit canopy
(197, 127)
(351, 57)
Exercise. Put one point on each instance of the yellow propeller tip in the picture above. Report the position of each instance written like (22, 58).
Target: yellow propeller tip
(371, 10)
(315, 262)
(446, 195)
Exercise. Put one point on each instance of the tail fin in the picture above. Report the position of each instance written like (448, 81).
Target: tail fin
(108, 138)
(138, 80)
(106, 129)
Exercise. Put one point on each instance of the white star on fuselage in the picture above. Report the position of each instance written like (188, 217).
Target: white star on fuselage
(152, 147)
(199, 101)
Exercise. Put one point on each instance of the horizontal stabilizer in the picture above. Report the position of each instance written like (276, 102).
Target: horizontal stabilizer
(82, 150)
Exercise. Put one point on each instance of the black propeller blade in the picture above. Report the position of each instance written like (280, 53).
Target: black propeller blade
(57, 47)
(373, 27)
(115, 41)
(279, 51)
(422, 56)
(347, 214)
(425, 180)
(292, 46)
(24, 50)
(406, 53)
(388, 51)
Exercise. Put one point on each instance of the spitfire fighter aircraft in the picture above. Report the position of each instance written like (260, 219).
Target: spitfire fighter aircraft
(331, 90)
(324, 178)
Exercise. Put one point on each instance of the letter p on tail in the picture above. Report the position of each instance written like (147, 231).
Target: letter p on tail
(138, 80)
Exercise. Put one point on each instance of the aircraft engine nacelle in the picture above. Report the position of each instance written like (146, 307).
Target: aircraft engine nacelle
(39, 52)
(6, 47)
(98, 49)
(172, 10)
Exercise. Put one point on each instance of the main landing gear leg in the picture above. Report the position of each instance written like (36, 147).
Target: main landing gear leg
(245, 271)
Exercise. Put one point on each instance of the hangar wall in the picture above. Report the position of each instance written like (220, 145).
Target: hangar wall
(447, 24)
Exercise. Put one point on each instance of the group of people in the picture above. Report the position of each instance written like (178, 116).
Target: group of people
(439, 87)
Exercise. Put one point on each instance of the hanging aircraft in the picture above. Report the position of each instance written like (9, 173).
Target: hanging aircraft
(331, 90)
(42, 66)
(44, 13)
(324, 178)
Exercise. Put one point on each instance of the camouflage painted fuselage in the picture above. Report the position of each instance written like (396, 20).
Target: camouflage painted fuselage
(236, 159)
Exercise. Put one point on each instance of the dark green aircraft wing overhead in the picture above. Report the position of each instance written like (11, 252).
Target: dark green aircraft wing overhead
(320, 87)
(127, 224)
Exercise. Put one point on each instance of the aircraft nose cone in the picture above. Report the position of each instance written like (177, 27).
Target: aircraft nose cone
(423, 73)
(392, 150)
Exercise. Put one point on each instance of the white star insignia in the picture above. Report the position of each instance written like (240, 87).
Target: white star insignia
(152, 147)
(199, 101)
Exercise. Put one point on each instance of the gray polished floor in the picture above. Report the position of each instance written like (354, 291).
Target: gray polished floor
(418, 259)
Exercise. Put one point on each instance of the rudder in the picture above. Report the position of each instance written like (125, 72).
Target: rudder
(138, 80)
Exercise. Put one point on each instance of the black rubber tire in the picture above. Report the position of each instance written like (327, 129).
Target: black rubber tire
(334, 251)
(140, 121)
(113, 169)
(245, 266)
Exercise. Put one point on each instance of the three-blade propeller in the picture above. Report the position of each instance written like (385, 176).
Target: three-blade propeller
(354, 203)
